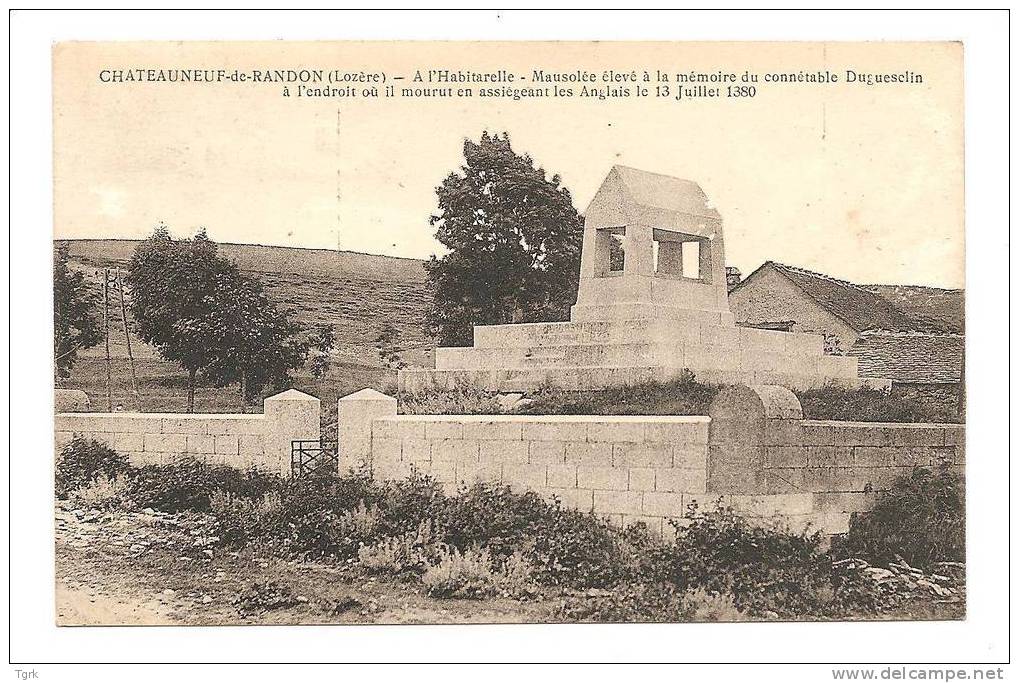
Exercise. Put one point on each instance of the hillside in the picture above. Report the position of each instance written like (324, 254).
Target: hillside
(355, 292)
(944, 307)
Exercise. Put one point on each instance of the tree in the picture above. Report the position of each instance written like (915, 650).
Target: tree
(197, 309)
(514, 241)
(320, 346)
(75, 326)
(388, 346)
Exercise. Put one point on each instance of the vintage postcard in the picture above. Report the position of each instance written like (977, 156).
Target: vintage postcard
(508, 332)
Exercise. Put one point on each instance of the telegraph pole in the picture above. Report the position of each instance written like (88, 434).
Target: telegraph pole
(127, 336)
(106, 334)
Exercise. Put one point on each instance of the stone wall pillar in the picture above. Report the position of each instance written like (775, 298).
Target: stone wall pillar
(290, 416)
(748, 425)
(355, 414)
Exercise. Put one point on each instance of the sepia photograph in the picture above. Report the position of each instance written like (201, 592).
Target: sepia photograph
(546, 332)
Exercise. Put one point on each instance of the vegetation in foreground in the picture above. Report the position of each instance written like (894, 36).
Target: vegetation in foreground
(487, 541)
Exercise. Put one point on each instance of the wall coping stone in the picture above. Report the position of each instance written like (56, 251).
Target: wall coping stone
(168, 416)
(884, 425)
(667, 419)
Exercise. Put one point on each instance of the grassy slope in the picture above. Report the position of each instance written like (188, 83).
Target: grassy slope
(356, 293)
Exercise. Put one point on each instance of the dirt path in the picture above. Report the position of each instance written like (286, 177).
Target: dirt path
(85, 606)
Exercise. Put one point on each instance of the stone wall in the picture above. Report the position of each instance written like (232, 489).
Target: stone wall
(754, 453)
(759, 445)
(239, 440)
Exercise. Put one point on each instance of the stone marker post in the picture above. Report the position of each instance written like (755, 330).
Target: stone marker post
(355, 414)
(292, 415)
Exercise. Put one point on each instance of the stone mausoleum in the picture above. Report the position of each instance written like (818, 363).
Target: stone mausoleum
(652, 303)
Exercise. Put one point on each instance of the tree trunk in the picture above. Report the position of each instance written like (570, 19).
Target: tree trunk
(191, 390)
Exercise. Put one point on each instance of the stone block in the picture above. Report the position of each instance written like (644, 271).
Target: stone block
(918, 435)
(641, 479)
(546, 452)
(289, 416)
(955, 435)
(844, 502)
(356, 414)
(681, 480)
(589, 453)
(869, 456)
(692, 430)
(663, 504)
(643, 454)
(457, 450)
(818, 434)
(526, 475)
(500, 452)
(762, 506)
(390, 470)
(783, 481)
(186, 425)
(170, 443)
(561, 476)
(440, 471)
(602, 478)
(820, 456)
(915, 456)
(395, 428)
(473, 473)
(783, 433)
(494, 430)
(202, 444)
(863, 434)
(785, 456)
(416, 450)
(63, 438)
(249, 444)
(618, 502)
(615, 431)
(554, 430)
(444, 430)
(127, 441)
(579, 499)
(690, 455)
(225, 444)
(382, 449)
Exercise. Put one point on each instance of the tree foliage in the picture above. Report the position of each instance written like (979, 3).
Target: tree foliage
(200, 311)
(320, 346)
(75, 325)
(514, 241)
(387, 343)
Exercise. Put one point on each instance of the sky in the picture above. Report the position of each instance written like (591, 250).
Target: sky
(859, 182)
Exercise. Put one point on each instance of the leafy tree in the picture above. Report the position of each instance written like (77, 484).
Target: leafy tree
(200, 311)
(321, 344)
(388, 346)
(258, 344)
(74, 325)
(514, 241)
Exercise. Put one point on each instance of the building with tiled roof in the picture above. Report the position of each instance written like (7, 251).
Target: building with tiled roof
(907, 334)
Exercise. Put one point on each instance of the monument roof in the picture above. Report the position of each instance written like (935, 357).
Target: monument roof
(665, 192)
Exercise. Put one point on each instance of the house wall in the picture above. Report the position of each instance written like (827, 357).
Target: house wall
(768, 296)
(753, 452)
(262, 440)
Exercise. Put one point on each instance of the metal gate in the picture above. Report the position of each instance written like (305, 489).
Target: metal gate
(314, 458)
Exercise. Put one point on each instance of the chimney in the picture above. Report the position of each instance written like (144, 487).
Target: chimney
(732, 277)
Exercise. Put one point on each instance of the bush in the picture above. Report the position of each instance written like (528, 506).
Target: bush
(242, 519)
(104, 493)
(82, 461)
(631, 603)
(188, 485)
(833, 402)
(463, 400)
(922, 519)
(457, 574)
(409, 552)
(767, 569)
(681, 396)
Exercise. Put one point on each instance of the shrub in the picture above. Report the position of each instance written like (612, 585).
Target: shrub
(463, 400)
(833, 402)
(922, 519)
(408, 552)
(702, 605)
(242, 519)
(683, 395)
(82, 461)
(189, 484)
(767, 569)
(104, 493)
(466, 574)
